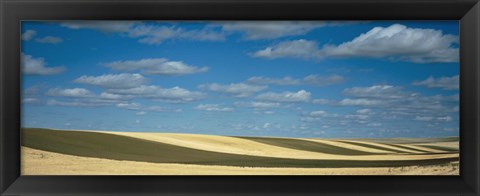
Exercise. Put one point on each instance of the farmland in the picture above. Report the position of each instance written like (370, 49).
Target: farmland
(46, 151)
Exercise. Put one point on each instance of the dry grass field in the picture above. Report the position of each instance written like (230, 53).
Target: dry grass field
(61, 152)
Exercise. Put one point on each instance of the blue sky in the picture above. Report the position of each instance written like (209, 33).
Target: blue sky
(286, 78)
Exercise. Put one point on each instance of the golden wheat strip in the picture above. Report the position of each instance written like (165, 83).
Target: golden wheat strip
(383, 146)
(350, 146)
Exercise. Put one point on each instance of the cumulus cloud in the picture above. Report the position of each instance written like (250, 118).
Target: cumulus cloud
(156, 66)
(102, 26)
(314, 80)
(28, 35)
(424, 118)
(141, 113)
(265, 80)
(254, 30)
(76, 103)
(445, 118)
(375, 91)
(37, 66)
(129, 106)
(300, 96)
(258, 105)
(266, 125)
(80, 97)
(357, 116)
(446, 83)
(49, 40)
(364, 111)
(31, 95)
(213, 108)
(294, 49)
(154, 34)
(359, 102)
(148, 33)
(142, 110)
(111, 96)
(374, 124)
(31, 100)
(113, 81)
(174, 95)
(234, 89)
(397, 42)
(319, 113)
(70, 92)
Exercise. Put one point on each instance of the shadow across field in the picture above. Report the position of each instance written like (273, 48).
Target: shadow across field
(109, 146)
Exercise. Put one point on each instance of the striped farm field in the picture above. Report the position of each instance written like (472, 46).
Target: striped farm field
(214, 152)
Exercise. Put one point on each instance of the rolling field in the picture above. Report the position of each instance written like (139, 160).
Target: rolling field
(47, 151)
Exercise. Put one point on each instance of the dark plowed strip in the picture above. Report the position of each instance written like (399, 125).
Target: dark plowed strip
(308, 146)
(108, 146)
(411, 140)
(408, 148)
(373, 146)
(442, 148)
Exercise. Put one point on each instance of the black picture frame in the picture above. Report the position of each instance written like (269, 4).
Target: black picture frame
(14, 11)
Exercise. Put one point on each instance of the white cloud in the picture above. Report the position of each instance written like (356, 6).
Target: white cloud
(266, 80)
(71, 92)
(113, 81)
(49, 40)
(447, 83)
(175, 94)
(266, 125)
(397, 42)
(300, 96)
(31, 95)
(295, 49)
(258, 105)
(364, 111)
(31, 100)
(314, 80)
(424, 118)
(254, 30)
(319, 113)
(80, 97)
(129, 106)
(77, 103)
(213, 108)
(445, 118)
(151, 33)
(28, 35)
(411, 44)
(156, 66)
(37, 66)
(357, 116)
(156, 34)
(360, 102)
(375, 91)
(143, 109)
(235, 89)
(141, 113)
(374, 124)
(111, 96)
(102, 26)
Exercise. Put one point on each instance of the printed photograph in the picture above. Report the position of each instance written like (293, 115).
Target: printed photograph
(240, 98)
